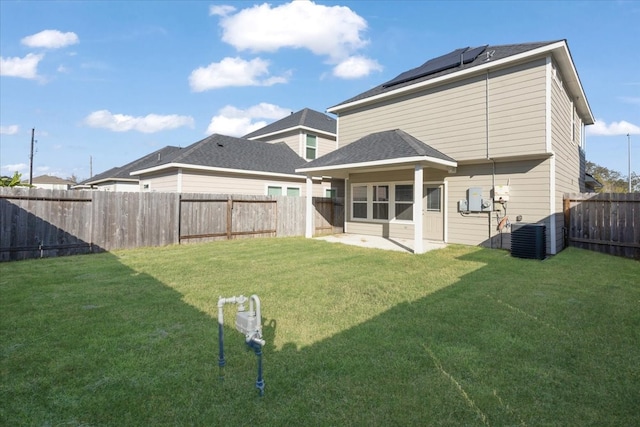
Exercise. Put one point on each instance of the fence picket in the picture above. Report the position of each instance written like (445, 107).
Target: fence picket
(608, 223)
(69, 222)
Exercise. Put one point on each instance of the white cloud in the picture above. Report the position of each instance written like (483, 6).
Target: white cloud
(233, 121)
(9, 130)
(233, 72)
(26, 68)
(333, 31)
(601, 128)
(148, 124)
(355, 67)
(630, 99)
(11, 169)
(51, 39)
(223, 10)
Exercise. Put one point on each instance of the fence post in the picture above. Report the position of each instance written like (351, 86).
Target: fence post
(229, 216)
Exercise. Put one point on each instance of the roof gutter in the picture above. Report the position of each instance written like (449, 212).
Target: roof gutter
(313, 130)
(214, 169)
(387, 162)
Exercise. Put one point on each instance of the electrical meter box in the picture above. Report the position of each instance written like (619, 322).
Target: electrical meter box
(501, 193)
(474, 198)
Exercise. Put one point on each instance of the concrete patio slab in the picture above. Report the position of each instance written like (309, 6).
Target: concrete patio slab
(378, 242)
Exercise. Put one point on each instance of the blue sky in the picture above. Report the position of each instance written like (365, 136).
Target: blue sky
(112, 81)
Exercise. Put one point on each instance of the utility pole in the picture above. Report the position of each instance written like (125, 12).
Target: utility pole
(90, 166)
(33, 132)
(629, 148)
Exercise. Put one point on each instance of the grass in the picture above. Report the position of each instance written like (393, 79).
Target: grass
(355, 336)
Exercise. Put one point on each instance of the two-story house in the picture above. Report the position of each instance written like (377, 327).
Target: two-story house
(460, 147)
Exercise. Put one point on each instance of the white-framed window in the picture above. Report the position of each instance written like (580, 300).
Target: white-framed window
(434, 198)
(331, 193)
(283, 190)
(404, 202)
(382, 202)
(359, 202)
(311, 147)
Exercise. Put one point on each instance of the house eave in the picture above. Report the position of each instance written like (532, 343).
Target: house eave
(291, 129)
(387, 164)
(215, 169)
(115, 180)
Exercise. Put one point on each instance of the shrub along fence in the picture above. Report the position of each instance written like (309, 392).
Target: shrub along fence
(38, 222)
(605, 222)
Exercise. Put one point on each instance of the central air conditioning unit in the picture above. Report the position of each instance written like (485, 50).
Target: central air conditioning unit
(529, 241)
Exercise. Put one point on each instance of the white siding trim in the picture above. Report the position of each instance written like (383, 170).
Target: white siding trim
(552, 159)
(446, 210)
(418, 243)
(179, 181)
(308, 230)
(552, 205)
(548, 89)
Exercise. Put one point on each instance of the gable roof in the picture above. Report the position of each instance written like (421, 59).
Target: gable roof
(123, 173)
(227, 153)
(305, 118)
(487, 58)
(392, 147)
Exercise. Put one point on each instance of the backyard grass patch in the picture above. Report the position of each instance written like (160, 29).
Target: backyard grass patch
(355, 336)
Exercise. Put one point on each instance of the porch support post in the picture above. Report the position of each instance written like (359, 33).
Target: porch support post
(308, 231)
(418, 245)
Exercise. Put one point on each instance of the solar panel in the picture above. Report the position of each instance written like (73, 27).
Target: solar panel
(441, 63)
(471, 54)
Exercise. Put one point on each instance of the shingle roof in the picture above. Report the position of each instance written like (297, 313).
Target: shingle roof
(496, 52)
(386, 145)
(304, 118)
(228, 152)
(124, 172)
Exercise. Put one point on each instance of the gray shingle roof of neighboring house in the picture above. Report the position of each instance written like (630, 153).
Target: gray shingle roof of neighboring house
(304, 118)
(122, 173)
(386, 145)
(227, 152)
(489, 54)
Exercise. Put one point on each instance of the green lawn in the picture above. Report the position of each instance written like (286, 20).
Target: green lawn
(355, 336)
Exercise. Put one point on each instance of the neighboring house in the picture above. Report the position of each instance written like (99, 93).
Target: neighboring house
(120, 178)
(448, 150)
(51, 182)
(309, 133)
(228, 165)
(591, 184)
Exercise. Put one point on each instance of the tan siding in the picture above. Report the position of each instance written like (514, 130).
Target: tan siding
(452, 117)
(162, 181)
(517, 110)
(528, 182)
(225, 183)
(296, 139)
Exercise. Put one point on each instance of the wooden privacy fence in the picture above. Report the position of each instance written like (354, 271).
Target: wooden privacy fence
(606, 222)
(37, 222)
